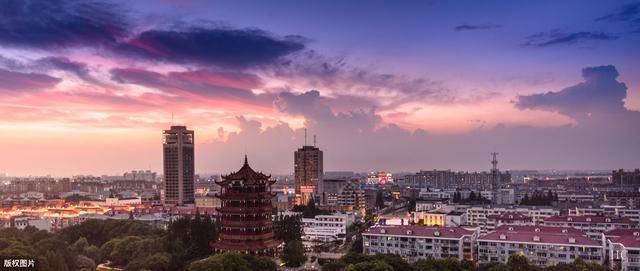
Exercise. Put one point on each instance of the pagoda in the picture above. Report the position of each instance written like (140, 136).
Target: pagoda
(245, 216)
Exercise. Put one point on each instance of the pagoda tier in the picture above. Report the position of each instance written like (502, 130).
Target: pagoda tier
(246, 224)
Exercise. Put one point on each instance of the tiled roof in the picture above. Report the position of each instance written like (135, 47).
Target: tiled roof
(589, 219)
(246, 174)
(632, 241)
(413, 230)
(509, 217)
(537, 234)
(630, 238)
(620, 232)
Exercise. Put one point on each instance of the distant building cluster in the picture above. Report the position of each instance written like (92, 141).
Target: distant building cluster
(483, 217)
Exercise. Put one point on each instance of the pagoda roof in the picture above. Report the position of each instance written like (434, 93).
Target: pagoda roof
(245, 174)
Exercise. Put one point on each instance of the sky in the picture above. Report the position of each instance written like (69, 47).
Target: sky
(86, 87)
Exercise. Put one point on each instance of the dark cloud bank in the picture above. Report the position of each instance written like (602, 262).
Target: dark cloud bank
(59, 25)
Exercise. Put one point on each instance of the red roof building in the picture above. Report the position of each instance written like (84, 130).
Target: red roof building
(414, 242)
(624, 248)
(592, 225)
(497, 220)
(246, 225)
(543, 246)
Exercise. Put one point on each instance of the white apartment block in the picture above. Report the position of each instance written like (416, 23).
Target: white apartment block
(418, 242)
(326, 228)
(477, 215)
(623, 249)
(608, 210)
(543, 246)
(592, 225)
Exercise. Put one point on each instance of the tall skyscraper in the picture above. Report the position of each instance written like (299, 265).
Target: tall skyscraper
(177, 147)
(308, 173)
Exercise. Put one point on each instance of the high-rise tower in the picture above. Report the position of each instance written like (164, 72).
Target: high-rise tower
(496, 184)
(308, 170)
(178, 158)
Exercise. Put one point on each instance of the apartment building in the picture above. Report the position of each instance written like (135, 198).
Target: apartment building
(440, 217)
(418, 242)
(494, 221)
(592, 225)
(623, 249)
(543, 246)
(477, 215)
(326, 228)
(607, 210)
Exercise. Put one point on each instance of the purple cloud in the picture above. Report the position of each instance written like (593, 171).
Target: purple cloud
(60, 24)
(228, 48)
(471, 27)
(600, 96)
(202, 83)
(556, 37)
(18, 81)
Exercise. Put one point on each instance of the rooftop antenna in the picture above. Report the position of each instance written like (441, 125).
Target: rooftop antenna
(314, 140)
(305, 136)
(494, 162)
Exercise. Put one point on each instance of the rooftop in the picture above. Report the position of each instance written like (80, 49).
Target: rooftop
(413, 230)
(629, 240)
(620, 232)
(538, 234)
(509, 217)
(245, 174)
(589, 219)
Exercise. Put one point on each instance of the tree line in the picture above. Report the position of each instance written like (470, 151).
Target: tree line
(354, 261)
(128, 244)
(473, 198)
(539, 198)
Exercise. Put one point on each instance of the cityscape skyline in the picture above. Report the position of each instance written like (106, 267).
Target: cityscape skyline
(418, 85)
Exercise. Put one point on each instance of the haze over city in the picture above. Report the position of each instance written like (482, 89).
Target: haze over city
(88, 87)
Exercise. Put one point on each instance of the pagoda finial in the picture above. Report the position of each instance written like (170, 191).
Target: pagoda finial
(246, 162)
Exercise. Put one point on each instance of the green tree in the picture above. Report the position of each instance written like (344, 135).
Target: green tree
(525, 200)
(293, 254)
(472, 196)
(260, 263)
(333, 266)
(379, 200)
(84, 262)
(378, 265)
(228, 261)
(55, 261)
(411, 205)
(357, 244)
(159, 261)
(494, 266)
(519, 262)
(288, 228)
(456, 197)
(393, 260)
